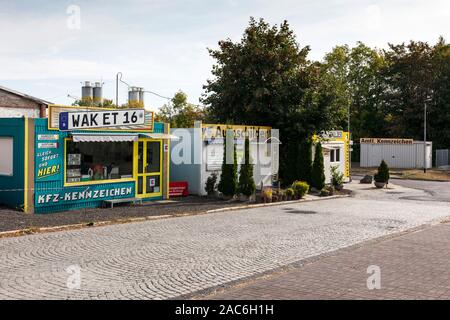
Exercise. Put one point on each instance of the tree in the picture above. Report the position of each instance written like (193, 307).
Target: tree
(267, 79)
(228, 177)
(246, 184)
(88, 102)
(179, 112)
(353, 80)
(383, 173)
(304, 164)
(409, 77)
(318, 173)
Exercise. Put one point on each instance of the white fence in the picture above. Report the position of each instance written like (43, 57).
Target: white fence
(443, 159)
(406, 156)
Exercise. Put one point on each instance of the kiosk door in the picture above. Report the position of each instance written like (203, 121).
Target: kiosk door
(149, 168)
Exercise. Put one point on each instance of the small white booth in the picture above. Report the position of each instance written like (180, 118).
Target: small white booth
(336, 153)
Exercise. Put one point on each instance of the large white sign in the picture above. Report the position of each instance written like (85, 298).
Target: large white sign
(79, 120)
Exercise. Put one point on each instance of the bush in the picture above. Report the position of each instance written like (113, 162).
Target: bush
(304, 166)
(290, 192)
(246, 184)
(228, 177)
(327, 191)
(318, 174)
(383, 173)
(267, 193)
(210, 186)
(300, 188)
(337, 177)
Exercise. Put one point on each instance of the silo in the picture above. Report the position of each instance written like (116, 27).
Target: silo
(87, 92)
(98, 93)
(141, 96)
(133, 95)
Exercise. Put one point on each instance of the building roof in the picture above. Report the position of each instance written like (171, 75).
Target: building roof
(25, 96)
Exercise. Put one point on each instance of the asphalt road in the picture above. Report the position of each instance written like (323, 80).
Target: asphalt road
(436, 191)
(180, 256)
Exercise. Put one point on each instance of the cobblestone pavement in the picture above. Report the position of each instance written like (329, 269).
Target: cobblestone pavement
(168, 258)
(412, 266)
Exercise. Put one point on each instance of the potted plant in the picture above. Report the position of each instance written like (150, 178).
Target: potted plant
(382, 176)
(210, 186)
(327, 191)
(290, 194)
(267, 195)
(300, 189)
(337, 178)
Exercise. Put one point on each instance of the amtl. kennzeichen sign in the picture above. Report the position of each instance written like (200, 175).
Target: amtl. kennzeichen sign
(79, 120)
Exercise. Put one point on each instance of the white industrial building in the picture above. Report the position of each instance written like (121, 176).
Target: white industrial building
(397, 153)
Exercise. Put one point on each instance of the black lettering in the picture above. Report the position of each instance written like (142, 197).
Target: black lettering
(85, 121)
(75, 120)
(93, 119)
(115, 114)
(106, 119)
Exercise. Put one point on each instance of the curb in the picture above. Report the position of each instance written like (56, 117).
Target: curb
(30, 231)
(260, 205)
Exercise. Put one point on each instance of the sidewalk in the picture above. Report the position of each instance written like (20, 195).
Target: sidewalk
(415, 265)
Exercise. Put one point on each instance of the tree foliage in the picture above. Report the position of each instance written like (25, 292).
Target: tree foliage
(228, 176)
(318, 173)
(246, 184)
(179, 112)
(267, 79)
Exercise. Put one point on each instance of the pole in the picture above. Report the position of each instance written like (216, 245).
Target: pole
(117, 89)
(425, 138)
(349, 145)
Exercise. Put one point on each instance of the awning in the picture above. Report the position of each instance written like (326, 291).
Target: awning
(103, 137)
(160, 136)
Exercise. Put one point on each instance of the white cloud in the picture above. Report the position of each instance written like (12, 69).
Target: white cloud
(161, 45)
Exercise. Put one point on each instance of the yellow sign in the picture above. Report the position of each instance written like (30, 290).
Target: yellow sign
(48, 171)
(213, 131)
(386, 141)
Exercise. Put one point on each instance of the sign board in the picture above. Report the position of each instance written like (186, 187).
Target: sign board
(179, 189)
(48, 137)
(80, 120)
(48, 165)
(213, 131)
(48, 145)
(214, 157)
(386, 141)
(66, 196)
(331, 134)
(98, 119)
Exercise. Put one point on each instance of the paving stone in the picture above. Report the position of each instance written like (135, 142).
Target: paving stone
(167, 258)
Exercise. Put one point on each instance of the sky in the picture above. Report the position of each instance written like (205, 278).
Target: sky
(49, 47)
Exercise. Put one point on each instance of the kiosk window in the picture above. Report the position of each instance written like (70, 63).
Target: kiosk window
(6, 160)
(90, 161)
(335, 155)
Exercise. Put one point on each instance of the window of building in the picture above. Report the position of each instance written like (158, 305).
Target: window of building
(335, 155)
(92, 161)
(6, 160)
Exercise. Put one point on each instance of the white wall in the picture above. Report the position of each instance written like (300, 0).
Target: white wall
(18, 112)
(336, 145)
